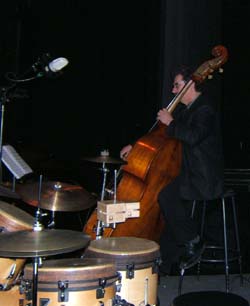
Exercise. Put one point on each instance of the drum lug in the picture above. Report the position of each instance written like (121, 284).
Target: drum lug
(119, 282)
(155, 267)
(130, 268)
(63, 294)
(26, 288)
(101, 291)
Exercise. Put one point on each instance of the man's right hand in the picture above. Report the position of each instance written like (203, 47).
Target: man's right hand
(125, 151)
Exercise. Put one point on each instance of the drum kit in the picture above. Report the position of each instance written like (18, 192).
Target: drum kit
(109, 271)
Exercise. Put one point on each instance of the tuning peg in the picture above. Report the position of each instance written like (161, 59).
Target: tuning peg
(210, 77)
(221, 70)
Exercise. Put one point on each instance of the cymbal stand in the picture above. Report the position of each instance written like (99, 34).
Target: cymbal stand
(99, 226)
(105, 172)
(35, 264)
(52, 222)
(36, 260)
(3, 100)
(37, 224)
(115, 183)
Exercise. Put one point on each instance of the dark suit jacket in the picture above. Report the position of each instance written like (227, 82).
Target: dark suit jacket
(198, 128)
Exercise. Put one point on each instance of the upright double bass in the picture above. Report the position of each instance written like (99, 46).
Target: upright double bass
(153, 162)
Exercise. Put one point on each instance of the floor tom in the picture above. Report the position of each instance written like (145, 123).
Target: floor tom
(137, 261)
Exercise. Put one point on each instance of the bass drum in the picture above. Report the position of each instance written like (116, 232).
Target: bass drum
(12, 219)
(137, 261)
(73, 282)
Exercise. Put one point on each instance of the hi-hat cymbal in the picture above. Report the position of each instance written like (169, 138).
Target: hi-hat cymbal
(104, 159)
(57, 196)
(41, 243)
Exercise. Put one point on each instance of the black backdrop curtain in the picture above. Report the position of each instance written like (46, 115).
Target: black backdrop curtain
(190, 30)
(121, 55)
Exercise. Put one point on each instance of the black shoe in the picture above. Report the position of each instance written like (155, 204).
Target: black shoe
(193, 252)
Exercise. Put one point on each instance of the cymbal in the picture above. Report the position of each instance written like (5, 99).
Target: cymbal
(57, 196)
(41, 243)
(104, 159)
(8, 193)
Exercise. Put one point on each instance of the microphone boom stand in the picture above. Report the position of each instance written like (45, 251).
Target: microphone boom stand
(3, 101)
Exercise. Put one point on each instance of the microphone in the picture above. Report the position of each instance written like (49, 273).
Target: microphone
(57, 64)
(46, 66)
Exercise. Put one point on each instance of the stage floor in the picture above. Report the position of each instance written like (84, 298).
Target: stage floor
(168, 286)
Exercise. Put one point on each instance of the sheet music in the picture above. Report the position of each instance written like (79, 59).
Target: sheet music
(14, 162)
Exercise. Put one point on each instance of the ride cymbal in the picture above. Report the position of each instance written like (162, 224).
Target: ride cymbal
(57, 196)
(41, 243)
(104, 159)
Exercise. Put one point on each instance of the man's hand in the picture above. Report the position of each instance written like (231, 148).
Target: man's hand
(125, 151)
(164, 116)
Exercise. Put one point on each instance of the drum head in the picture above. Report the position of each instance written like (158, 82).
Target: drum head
(72, 269)
(123, 249)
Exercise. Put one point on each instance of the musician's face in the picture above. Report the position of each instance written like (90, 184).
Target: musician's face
(190, 93)
(178, 84)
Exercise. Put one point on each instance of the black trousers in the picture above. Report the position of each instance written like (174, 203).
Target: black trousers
(180, 227)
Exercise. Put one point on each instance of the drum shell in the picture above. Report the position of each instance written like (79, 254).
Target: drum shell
(12, 219)
(12, 297)
(140, 255)
(83, 277)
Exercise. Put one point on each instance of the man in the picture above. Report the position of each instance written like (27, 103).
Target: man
(195, 123)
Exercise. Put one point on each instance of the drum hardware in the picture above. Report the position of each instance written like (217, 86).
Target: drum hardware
(38, 216)
(38, 244)
(63, 294)
(100, 224)
(130, 270)
(105, 172)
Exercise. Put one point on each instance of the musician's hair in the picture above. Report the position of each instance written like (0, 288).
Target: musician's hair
(186, 72)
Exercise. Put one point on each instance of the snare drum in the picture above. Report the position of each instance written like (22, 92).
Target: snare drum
(73, 282)
(12, 219)
(137, 261)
